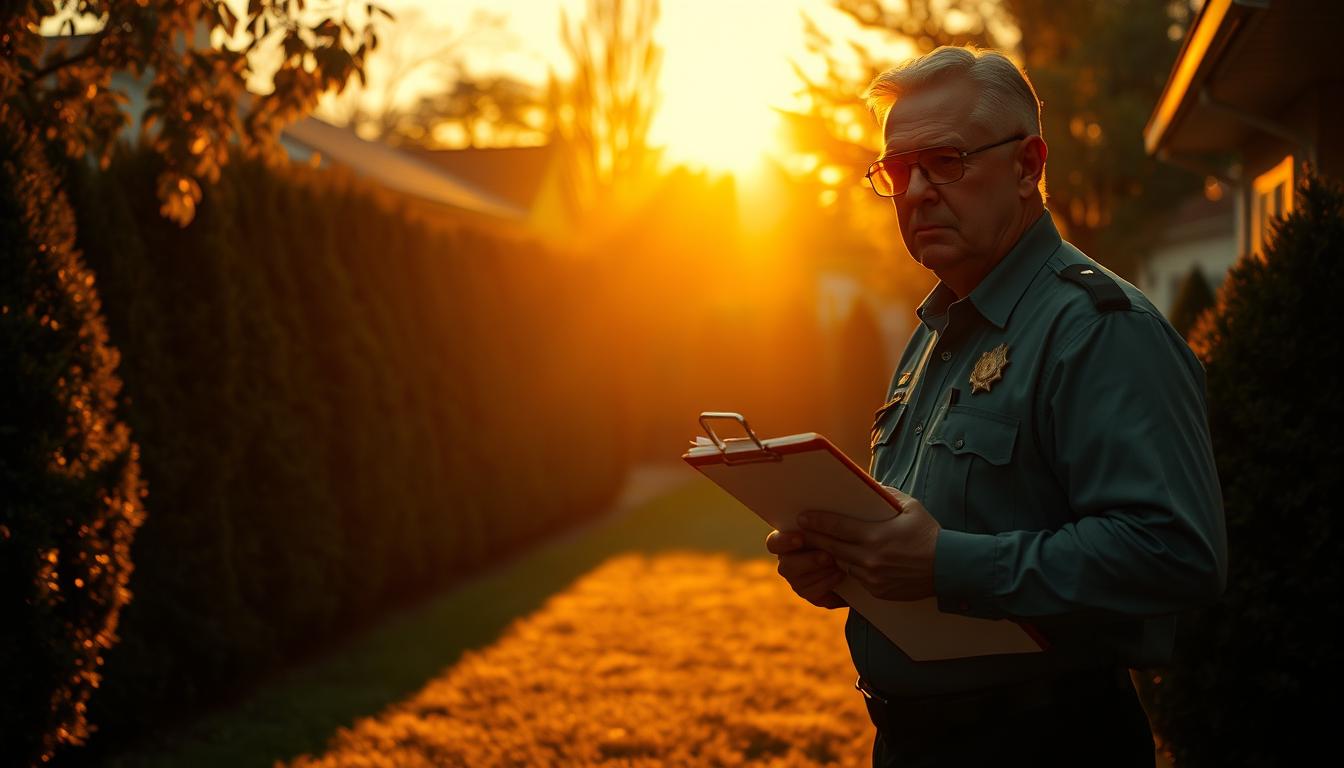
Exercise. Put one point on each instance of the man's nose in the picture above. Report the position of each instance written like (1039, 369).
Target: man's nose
(919, 185)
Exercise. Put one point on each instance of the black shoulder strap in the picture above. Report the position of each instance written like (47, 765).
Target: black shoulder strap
(1105, 292)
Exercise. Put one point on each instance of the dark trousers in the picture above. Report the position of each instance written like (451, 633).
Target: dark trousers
(1086, 719)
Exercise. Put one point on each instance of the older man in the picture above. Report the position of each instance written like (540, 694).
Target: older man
(1045, 437)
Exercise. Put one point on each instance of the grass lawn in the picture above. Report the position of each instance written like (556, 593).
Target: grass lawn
(298, 711)
(682, 659)
(660, 636)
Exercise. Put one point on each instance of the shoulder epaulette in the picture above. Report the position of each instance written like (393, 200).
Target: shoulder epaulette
(1105, 292)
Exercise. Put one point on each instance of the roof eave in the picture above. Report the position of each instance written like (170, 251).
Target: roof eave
(429, 183)
(1215, 24)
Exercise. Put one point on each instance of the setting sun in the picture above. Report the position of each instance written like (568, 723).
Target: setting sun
(725, 66)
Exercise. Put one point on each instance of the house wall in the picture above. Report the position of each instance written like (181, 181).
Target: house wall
(1316, 117)
(1167, 266)
(1329, 144)
(1263, 153)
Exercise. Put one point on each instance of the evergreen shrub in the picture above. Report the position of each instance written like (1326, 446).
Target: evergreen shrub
(1254, 675)
(70, 487)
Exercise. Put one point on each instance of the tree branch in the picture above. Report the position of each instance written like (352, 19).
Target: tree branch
(89, 52)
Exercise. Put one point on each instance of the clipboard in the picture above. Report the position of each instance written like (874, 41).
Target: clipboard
(780, 477)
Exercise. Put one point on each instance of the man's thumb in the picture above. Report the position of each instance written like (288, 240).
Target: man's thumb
(900, 497)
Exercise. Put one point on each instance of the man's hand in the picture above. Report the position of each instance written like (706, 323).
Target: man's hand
(811, 572)
(892, 558)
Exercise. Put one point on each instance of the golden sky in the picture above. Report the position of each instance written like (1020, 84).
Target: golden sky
(726, 63)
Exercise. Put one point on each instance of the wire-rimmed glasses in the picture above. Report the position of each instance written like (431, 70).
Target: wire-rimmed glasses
(890, 176)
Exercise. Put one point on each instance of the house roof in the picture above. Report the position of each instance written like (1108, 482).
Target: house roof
(466, 183)
(513, 174)
(1242, 63)
(400, 170)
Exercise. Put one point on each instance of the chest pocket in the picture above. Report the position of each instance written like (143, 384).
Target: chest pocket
(886, 425)
(968, 465)
(986, 434)
(886, 419)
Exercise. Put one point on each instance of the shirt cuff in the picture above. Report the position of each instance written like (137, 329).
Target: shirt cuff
(963, 573)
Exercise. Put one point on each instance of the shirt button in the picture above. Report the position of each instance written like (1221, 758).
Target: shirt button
(919, 428)
(959, 443)
(947, 355)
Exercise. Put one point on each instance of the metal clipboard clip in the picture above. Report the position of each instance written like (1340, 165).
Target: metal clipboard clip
(737, 457)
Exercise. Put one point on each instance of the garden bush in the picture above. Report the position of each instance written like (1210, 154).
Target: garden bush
(1253, 675)
(70, 487)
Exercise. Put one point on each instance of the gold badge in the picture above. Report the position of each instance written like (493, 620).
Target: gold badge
(989, 368)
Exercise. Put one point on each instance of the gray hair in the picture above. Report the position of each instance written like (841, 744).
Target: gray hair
(1005, 91)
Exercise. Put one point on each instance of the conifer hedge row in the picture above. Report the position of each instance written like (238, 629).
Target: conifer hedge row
(339, 408)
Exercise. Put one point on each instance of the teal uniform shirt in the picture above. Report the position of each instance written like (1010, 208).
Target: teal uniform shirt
(1078, 494)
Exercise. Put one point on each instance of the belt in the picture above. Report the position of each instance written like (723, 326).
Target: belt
(943, 711)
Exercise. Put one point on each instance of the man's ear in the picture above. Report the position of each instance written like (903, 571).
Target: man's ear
(1030, 164)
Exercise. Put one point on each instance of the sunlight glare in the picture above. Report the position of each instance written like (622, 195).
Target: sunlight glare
(725, 65)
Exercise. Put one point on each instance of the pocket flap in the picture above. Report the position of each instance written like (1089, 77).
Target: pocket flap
(986, 434)
(888, 420)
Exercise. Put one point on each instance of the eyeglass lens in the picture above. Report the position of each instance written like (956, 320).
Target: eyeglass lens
(940, 165)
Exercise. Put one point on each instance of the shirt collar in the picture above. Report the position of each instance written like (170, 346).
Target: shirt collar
(999, 292)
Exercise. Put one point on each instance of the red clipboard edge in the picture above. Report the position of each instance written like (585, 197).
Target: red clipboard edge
(815, 443)
(820, 442)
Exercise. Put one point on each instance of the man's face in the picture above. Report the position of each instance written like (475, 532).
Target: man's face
(961, 229)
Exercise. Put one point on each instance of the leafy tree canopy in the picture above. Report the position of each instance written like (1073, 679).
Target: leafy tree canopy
(57, 59)
(1098, 69)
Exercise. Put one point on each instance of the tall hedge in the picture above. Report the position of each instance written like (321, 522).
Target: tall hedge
(70, 490)
(340, 409)
(1254, 675)
(344, 403)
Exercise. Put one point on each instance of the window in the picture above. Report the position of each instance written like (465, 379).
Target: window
(1271, 196)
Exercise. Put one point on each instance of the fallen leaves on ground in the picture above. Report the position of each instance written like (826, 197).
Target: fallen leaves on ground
(681, 659)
